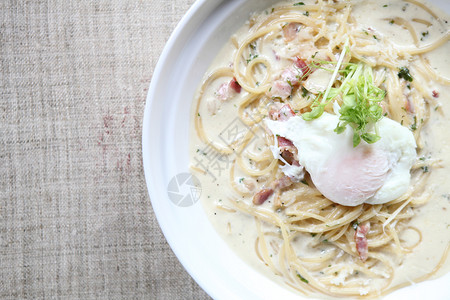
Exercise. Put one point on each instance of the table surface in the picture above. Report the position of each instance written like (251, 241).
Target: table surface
(75, 218)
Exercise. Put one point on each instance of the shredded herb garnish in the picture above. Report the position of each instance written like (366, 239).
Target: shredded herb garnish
(414, 125)
(252, 57)
(403, 72)
(318, 107)
(299, 3)
(361, 103)
(302, 278)
(361, 98)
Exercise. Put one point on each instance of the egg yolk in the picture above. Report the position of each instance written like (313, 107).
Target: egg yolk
(352, 178)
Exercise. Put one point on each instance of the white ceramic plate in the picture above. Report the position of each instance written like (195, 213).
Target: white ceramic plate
(188, 53)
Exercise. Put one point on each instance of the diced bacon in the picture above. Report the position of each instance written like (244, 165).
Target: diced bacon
(290, 31)
(291, 75)
(435, 94)
(290, 157)
(362, 245)
(285, 112)
(277, 185)
(303, 66)
(261, 196)
(284, 142)
(235, 85)
(282, 114)
(409, 106)
(274, 114)
(288, 79)
(224, 92)
(282, 182)
(280, 89)
(288, 151)
(228, 89)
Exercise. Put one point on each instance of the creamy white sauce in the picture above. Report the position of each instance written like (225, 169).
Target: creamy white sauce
(433, 219)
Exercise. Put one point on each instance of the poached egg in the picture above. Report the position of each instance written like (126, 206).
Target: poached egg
(369, 173)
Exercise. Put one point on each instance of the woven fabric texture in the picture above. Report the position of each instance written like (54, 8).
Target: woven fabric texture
(75, 218)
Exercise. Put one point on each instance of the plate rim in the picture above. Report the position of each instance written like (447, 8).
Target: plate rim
(163, 58)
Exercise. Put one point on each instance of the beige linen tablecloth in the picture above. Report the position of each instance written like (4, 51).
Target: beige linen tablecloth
(75, 218)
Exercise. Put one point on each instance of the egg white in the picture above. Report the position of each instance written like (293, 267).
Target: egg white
(317, 144)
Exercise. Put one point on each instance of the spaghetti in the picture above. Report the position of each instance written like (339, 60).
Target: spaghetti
(301, 235)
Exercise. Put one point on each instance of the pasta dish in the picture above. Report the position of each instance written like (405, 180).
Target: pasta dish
(317, 136)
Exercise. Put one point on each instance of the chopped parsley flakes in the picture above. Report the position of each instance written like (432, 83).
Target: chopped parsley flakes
(302, 278)
(403, 72)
